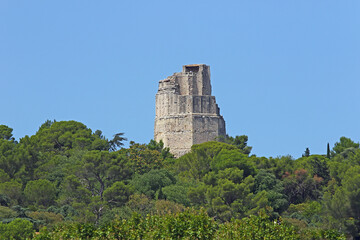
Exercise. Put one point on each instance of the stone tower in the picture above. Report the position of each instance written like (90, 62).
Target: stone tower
(186, 113)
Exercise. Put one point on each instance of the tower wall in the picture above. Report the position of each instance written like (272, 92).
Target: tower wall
(186, 113)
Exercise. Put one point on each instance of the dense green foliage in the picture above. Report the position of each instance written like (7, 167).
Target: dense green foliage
(68, 182)
(188, 224)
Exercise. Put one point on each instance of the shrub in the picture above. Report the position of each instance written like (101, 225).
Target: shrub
(17, 229)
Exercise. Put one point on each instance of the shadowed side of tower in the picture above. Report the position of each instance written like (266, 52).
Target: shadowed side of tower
(186, 113)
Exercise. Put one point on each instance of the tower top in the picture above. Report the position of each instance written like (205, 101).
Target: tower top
(195, 68)
(193, 80)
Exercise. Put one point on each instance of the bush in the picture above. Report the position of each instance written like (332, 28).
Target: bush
(256, 227)
(189, 224)
(47, 218)
(17, 229)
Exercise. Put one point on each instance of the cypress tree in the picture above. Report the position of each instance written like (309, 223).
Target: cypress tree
(328, 151)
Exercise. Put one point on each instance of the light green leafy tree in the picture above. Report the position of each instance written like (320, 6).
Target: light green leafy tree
(18, 229)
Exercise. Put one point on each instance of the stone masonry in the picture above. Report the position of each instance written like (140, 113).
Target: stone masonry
(186, 113)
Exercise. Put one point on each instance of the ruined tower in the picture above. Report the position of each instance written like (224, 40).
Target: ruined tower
(186, 113)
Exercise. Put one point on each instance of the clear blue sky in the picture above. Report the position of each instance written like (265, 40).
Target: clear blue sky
(285, 73)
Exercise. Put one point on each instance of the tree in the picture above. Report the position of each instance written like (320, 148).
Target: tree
(6, 133)
(342, 203)
(100, 142)
(100, 169)
(47, 124)
(73, 191)
(196, 194)
(117, 141)
(307, 153)
(46, 218)
(193, 165)
(343, 144)
(10, 163)
(176, 193)
(18, 229)
(265, 181)
(13, 190)
(233, 158)
(212, 148)
(60, 137)
(197, 163)
(6, 213)
(159, 146)
(140, 203)
(118, 194)
(141, 159)
(256, 227)
(228, 200)
(28, 154)
(351, 185)
(239, 141)
(319, 167)
(4, 200)
(152, 182)
(96, 172)
(301, 186)
(41, 192)
(166, 207)
(328, 152)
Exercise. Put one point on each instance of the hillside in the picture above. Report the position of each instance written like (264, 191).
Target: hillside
(68, 179)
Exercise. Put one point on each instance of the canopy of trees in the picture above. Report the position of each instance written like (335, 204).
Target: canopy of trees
(67, 180)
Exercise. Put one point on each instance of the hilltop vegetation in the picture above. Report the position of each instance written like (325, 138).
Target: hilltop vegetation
(69, 182)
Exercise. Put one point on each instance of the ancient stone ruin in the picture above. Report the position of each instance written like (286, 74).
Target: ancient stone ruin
(186, 113)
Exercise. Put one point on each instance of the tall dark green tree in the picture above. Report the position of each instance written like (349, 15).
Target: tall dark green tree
(306, 153)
